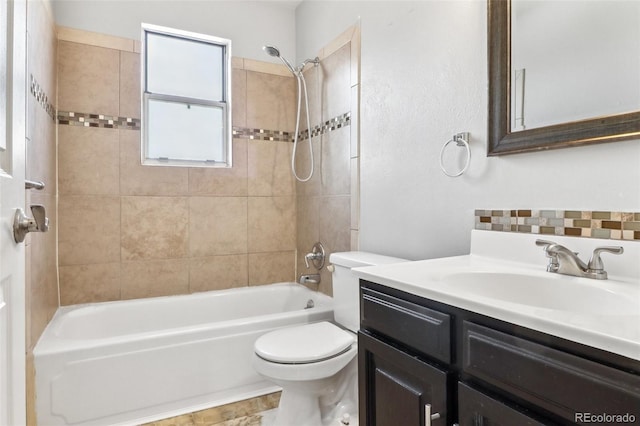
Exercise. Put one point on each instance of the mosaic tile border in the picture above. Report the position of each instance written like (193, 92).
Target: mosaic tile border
(330, 125)
(575, 223)
(97, 120)
(262, 134)
(41, 97)
(106, 121)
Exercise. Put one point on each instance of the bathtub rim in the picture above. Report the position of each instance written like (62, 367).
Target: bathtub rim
(51, 343)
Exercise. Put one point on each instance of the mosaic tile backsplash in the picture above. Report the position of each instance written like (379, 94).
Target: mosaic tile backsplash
(574, 223)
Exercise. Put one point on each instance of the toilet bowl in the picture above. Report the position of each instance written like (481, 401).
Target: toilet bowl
(316, 364)
(308, 362)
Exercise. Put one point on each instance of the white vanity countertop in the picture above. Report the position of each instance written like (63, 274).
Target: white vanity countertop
(589, 321)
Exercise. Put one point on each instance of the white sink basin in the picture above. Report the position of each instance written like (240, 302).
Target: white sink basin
(579, 295)
(504, 277)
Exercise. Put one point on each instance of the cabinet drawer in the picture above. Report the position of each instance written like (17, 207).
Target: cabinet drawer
(420, 328)
(560, 383)
(475, 408)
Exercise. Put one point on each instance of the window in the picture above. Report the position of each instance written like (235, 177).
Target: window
(186, 115)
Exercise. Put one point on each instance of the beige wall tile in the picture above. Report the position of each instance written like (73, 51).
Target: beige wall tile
(355, 240)
(152, 278)
(31, 390)
(218, 225)
(339, 42)
(237, 62)
(335, 223)
(129, 85)
(269, 168)
(95, 39)
(222, 181)
(41, 148)
(355, 55)
(239, 97)
(89, 283)
(272, 224)
(303, 167)
(355, 193)
(136, 179)
(43, 272)
(88, 229)
(269, 268)
(308, 213)
(336, 93)
(336, 162)
(354, 127)
(89, 161)
(154, 227)
(218, 272)
(271, 101)
(314, 76)
(42, 46)
(88, 78)
(326, 282)
(266, 67)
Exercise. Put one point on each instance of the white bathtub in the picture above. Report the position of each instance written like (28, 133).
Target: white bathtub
(141, 360)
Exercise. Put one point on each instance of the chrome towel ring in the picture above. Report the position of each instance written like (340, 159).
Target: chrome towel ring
(461, 140)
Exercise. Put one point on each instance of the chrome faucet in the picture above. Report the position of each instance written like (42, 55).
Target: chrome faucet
(309, 279)
(564, 261)
(316, 256)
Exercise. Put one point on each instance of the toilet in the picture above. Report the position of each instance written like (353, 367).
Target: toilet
(316, 364)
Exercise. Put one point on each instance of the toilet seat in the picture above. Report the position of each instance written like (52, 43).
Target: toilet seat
(304, 344)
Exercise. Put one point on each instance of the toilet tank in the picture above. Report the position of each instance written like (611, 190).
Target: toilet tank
(346, 288)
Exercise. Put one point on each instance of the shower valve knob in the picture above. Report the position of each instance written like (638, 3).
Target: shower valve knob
(23, 224)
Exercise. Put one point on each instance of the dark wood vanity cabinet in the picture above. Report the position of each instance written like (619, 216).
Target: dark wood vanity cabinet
(422, 363)
(401, 389)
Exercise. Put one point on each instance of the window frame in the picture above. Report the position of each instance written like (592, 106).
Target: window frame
(225, 104)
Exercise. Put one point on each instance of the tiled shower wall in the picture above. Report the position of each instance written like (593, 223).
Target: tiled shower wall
(128, 231)
(41, 268)
(327, 205)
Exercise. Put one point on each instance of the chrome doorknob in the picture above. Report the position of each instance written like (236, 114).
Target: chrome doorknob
(23, 224)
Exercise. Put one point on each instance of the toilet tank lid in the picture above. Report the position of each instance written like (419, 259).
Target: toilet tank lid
(355, 259)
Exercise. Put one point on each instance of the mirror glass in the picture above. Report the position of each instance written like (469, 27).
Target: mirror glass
(562, 73)
(573, 60)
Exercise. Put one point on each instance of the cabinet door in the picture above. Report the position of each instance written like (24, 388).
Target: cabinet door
(398, 389)
(477, 409)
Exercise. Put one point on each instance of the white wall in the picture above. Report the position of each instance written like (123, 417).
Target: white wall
(424, 78)
(249, 24)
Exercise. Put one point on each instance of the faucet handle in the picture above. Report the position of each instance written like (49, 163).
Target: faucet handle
(595, 263)
(553, 257)
(40, 217)
(544, 243)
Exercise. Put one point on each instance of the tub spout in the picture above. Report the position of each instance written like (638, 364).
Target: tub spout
(309, 279)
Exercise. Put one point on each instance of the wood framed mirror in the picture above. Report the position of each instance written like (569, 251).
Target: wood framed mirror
(501, 138)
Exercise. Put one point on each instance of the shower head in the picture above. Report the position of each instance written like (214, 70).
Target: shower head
(273, 51)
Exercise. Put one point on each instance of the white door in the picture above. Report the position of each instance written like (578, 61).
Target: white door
(12, 165)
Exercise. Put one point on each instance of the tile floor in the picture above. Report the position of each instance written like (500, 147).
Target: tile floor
(242, 413)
